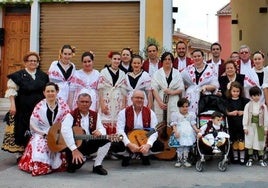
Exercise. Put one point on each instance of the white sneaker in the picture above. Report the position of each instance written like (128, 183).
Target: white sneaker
(216, 150)
(262, 163)
(178, 164)
(186, 163)
(249, 163)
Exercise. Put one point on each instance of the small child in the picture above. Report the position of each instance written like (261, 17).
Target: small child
(184, 129)
(213, 132)
(255, 124)
(236, 103)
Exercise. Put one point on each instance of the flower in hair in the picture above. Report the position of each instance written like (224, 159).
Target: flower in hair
(110, 54)
(73, 49)
(92, 53)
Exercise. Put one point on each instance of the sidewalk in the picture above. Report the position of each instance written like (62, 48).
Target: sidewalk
(161, 174)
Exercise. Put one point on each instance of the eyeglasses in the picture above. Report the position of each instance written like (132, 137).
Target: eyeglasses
(32, 61)
(244, 52)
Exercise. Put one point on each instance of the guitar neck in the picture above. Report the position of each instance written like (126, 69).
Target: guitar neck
(165, 100)
(164, 115)
(91, 137)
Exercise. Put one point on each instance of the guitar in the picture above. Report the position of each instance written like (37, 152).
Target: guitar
(56, 143)
(140, 136)
(168, 153)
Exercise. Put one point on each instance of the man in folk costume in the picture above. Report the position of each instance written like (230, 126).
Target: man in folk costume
(244, 64)
(136, 116)
(89, 121)
(216, 60)
(152, 64)
(181, 61)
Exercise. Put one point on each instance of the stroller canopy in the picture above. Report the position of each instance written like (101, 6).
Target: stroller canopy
(212, 102)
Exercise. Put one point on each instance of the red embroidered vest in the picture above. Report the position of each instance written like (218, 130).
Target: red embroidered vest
(92, 119)
(211, 129)
(146, 118)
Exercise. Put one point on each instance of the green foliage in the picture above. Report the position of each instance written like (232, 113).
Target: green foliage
(151, 40)
(15, 1)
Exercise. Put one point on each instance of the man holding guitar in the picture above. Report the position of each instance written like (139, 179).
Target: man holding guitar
(88, 120)
(137, 117)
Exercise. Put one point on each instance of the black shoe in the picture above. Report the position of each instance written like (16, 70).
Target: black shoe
(18, 159)
(145, 160)
(125, 161)
(99, 170)
(71, 170)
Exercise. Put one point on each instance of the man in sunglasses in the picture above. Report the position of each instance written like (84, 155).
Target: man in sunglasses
(245, 63)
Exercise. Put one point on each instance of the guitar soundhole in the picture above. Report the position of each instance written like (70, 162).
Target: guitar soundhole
(163, 134)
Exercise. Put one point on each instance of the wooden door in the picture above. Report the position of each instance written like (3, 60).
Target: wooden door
(16, 44)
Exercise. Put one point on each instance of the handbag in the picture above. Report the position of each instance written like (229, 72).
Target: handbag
(173, 142)
(9, 138)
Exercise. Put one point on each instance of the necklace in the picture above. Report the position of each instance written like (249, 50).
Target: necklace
(113, 70)
(232, 78)
(200, 69)
(52, 105)
(136, 73)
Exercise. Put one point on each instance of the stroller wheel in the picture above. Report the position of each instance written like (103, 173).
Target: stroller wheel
(222, 166)
(199, 166)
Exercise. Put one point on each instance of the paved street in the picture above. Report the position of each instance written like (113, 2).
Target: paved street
(161, 174)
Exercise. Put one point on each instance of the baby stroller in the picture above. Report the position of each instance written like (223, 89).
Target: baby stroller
(207, 105)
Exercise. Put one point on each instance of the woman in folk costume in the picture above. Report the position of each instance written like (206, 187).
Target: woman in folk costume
(199, 78)
(255, 75)
(139, 80)
(112, 94)
(88, 78)
(126, 57)
(37, 158)
(166, 81)
(24, 90)
(62, 71)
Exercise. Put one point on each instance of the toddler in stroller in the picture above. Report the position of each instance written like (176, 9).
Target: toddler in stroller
(212, 134)
(213, 138)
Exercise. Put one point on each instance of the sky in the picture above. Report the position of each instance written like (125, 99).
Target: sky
(198, 18)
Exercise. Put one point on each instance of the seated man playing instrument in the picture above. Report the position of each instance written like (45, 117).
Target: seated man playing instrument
(135, 119)
(88, 120)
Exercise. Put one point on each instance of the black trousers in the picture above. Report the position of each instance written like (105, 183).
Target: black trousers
(86, 148)
(117, 147)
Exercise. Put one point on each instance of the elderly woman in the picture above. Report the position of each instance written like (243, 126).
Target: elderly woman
(199, 78)
(231, 76)
(166, 81)
(25, 90)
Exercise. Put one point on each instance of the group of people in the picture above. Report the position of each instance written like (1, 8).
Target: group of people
(128, 94)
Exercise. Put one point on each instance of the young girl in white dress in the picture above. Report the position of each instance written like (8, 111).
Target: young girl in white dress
(184, 130)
